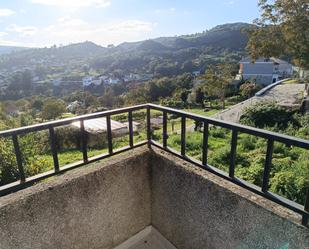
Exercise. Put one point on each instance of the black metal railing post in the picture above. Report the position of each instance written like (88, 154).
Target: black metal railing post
(130, 120)
(84, 141)
(53, 147)
(18, 159)
(233, 154)
(183, 135)
(205, 143)
(109, 134)
(148, 126)
(267, 166)
(305, 219)
(164, 135)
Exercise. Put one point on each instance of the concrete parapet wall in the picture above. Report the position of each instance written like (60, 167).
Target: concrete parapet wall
(195, 209)
(98, 206)
(104, 204)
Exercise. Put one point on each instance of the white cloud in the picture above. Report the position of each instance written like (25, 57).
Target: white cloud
(3, 34)
(10, 43)
(68, 29)
(131, 26)
(74, 3)
(6, 12)
(165, 11)
(22, 30)
(67, 21)
(230, 2)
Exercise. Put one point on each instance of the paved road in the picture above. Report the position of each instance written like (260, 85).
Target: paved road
(285, 95)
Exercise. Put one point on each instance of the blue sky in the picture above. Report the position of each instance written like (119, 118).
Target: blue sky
(47, 22)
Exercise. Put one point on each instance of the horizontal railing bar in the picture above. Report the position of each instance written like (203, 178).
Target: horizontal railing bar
(66, 121)
(251, 187)
(15, 186)
(299, 142)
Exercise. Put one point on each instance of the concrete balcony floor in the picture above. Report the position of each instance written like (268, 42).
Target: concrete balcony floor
(148, 238)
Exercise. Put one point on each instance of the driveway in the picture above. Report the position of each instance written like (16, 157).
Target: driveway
(290, 95)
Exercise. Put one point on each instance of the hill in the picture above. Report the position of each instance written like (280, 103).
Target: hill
(164, 55)
(9, 49)
(79, 52)
(172, 55)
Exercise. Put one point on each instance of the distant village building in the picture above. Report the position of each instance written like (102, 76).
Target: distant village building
(89, 80)
(137, 77)
(265, 71)
(135, 125)
(113, 80)
(96, 130)
(73, 106)
(57, 82)
(35, 78)
(196, 73)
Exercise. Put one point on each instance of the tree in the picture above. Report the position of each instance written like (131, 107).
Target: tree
(199, 96)
(53, 108)
(282, 29)
(217, 79)
(247, 90)
(264, 115)
(182, 94)
(8, 167)
(38, 104)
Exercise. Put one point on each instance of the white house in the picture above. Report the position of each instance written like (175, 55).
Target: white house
(196, 73)
(73, 106)
(113, 81)
(88, 80)
(57, 81)
(265, 71)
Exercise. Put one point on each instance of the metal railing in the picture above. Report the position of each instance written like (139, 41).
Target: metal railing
(271, 137)
(50, 126)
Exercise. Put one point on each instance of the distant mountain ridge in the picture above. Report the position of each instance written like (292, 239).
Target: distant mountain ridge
(219, 35)
(9, 49)
(222, 39)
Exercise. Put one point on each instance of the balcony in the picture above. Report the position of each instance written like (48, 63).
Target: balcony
(147, 195)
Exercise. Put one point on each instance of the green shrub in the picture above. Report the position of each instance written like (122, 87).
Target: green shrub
(217, 132)
(267, 115)
(248, 143)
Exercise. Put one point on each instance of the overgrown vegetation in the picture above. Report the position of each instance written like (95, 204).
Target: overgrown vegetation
(290, 165)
